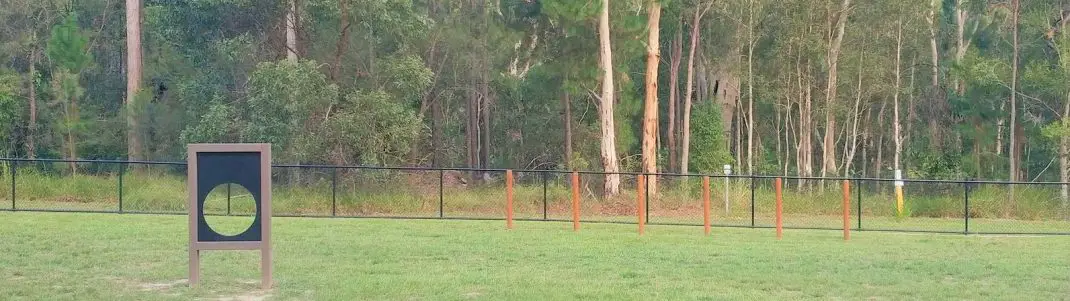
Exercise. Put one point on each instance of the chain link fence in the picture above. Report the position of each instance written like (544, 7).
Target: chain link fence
(979, 207)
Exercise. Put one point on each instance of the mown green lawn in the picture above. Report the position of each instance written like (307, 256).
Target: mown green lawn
(68, 256)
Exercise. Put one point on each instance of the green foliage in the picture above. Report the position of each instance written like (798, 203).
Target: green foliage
(214, 126)
(708, 145)
(10, 86)
(67, 45)
(374, 128)
(287, 104)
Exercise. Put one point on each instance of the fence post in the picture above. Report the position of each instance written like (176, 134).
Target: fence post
(706, 204)
(575, 201)
(858, 192)
(846, 209)
(441, 201)
(752, 224)
(966, 206)
(14, 169)
(334, 192)
(509, 199)
(544, 203)
(779, 210)
(122, 169)
(641, 206)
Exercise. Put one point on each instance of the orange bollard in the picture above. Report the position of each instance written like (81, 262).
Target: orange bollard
(641, 208)
(779, 210)
(509, 199)
(706, 203)
(846, 210)
(575, 201)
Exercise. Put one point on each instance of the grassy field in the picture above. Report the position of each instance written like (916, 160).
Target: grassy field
(67, 256)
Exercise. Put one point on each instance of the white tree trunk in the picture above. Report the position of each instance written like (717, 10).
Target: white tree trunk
(895, 97)
(1064, 157)
(609, 141)
(829, 145)
(750, 89)
(850, 145)
(291, 30)
(685, 149)
(1013, 152)
(934, 125)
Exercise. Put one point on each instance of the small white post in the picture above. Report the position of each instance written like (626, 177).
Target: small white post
(727, 171)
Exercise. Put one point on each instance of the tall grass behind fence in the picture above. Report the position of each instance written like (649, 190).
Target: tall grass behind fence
(741, 201)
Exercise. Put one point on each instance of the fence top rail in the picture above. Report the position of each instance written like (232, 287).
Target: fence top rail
(543, 171)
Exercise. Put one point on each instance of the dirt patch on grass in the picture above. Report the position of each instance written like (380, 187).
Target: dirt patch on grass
(160, 286)
(248, 296)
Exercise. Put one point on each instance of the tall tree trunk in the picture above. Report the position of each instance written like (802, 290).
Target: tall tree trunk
(674, 98)
(829, 146)
(567, 105)
(31, 143)
(897, 136)
(484, 114)
(788, 126)
(935, 133)
(911, 112)
(343, 40)
(1013, 174)
(962, 41)
(1064, 156)
(609, 141)
(688, 89)
(999, 130)
(850, 144)
(484, 90)
(650, 108)
(806, 123)
(866, 142)
(879, 167)
(133, 78)
(471, 135)
(750, 88)
(291, 30)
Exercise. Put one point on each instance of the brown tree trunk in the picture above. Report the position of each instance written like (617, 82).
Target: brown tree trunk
(133, 78)
(650, 107)
(674, 98)
(343, 40)
(31, 143)
(609, 141)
